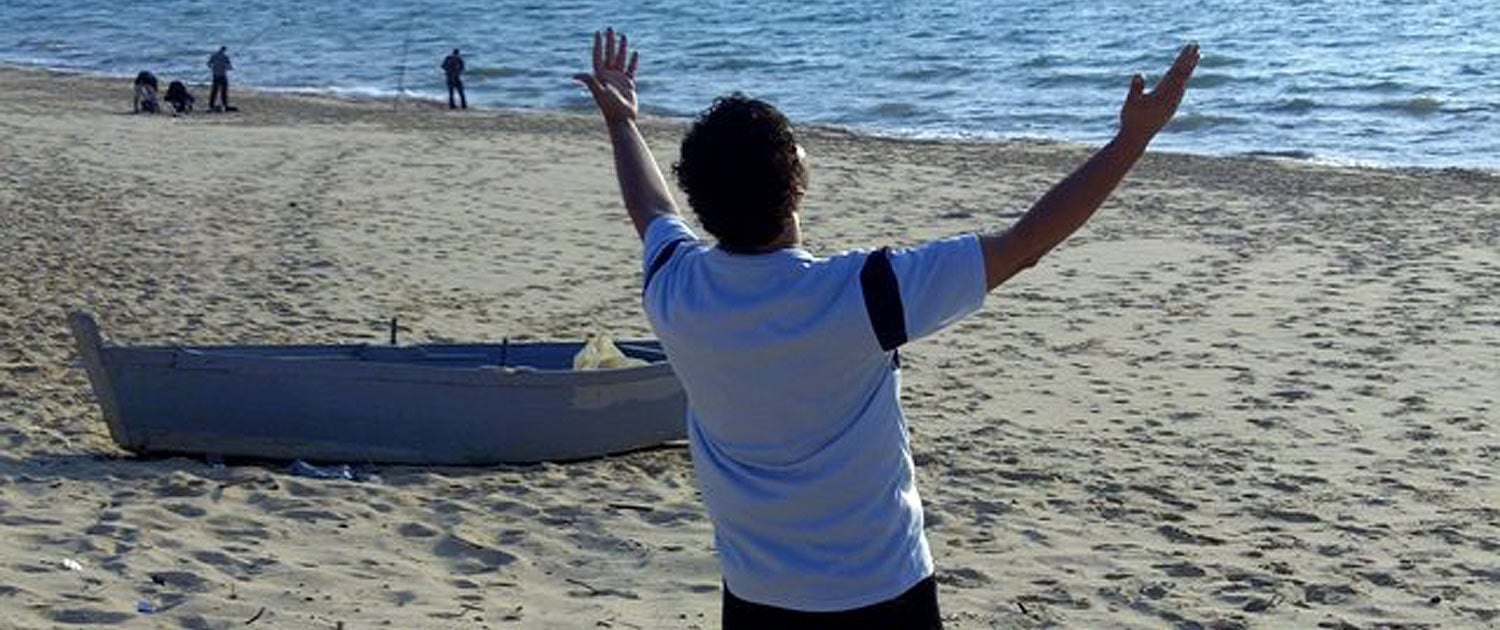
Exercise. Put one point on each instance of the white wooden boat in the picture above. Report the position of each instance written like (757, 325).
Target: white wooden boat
(416, 404)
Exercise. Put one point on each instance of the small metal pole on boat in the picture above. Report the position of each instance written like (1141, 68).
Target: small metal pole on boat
(504, 348)
(393, 331)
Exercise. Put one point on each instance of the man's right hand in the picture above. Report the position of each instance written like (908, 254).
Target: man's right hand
(613, 80)
(1072, 201)
(1144, 114)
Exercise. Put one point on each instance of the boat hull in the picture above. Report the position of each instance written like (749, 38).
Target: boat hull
(448, 404)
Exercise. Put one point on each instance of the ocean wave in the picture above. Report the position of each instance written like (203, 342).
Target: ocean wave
(1419, 106)
(1196, 122)
(353, 93)
(935, 73)
(1384, 85)
(661, 111)
(1294, 106)
(1094, 80)
(495, 72)
(941, 94)
(734, 63)
(1041, 61)
(1287, 154)
(1209, 80)
(1471, 109)
(893, 110)
(1214, 60)
(48, 63)
(46, 44)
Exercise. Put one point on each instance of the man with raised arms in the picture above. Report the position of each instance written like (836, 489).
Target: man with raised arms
(790, 360)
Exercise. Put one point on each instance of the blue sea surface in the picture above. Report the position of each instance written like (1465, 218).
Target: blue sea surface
(1382, 82)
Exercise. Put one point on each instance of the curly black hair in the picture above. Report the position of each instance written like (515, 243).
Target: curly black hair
(740, 170)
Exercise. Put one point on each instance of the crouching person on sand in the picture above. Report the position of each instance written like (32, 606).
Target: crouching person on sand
(179, 98)
(790, 360)
(145, 94)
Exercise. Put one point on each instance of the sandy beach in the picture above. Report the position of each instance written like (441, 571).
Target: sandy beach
(1249, 394)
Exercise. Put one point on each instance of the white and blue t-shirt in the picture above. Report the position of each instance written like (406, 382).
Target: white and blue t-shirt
(790, 367)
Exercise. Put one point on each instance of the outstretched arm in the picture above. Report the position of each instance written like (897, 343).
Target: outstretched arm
(1072, 201)
(613, 85)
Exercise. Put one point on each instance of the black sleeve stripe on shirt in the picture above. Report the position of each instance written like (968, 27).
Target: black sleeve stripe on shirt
(660, 261)
(883, 299)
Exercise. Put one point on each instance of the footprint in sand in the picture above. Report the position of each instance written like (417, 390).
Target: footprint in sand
(963, 577)
(1181, 570)
(184, 581)
(1327, 594)
(416, 530)
(185, 510)
(90, 616)
(470, 557)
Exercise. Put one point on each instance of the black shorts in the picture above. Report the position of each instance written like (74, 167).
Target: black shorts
(916, 609)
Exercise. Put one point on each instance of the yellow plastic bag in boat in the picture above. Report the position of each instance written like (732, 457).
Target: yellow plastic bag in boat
(600, 352)
(587, 357)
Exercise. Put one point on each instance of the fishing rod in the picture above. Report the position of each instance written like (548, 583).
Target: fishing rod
(254, 39)
(243, 49)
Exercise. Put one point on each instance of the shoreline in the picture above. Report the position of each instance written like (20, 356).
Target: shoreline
(337, 95)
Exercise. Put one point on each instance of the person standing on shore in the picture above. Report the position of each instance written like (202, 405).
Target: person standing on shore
(453, 67)
(219, 64)
(790, 360)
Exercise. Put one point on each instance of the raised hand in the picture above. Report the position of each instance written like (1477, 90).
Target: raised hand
(1144, 114)
(613, 80)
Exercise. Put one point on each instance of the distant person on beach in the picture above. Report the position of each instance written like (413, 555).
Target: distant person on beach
(453, 68)
(179, 98)
(220, 65)
(790, 360)
(145, 94)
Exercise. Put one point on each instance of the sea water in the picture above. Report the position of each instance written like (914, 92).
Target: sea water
(1382, 82)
